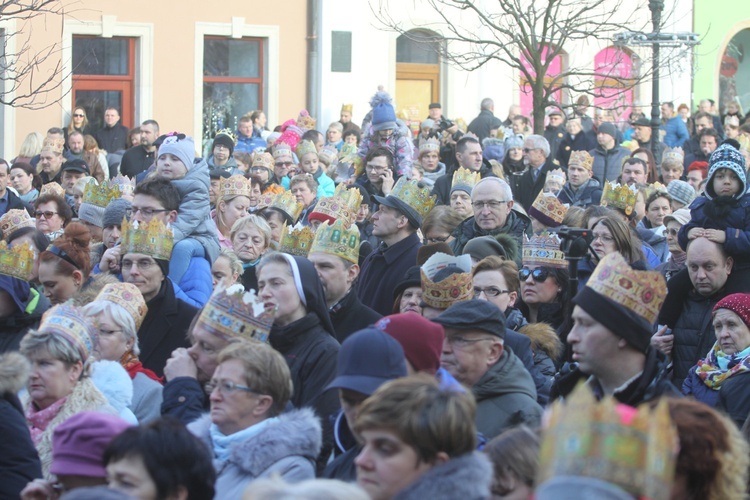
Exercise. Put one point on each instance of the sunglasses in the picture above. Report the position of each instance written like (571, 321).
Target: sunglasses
(79, 115)
(539, 274)
(46, 215)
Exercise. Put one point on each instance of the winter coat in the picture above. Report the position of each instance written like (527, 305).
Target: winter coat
(483, 124)
(15, 202)
(468, 477)
(371, 189)
(247, 144)
(554, 136)
(326, 186)
(164, 328)
(346, 448)
(690, 147)
(515, 225)
(442, 187)
(670, 268)
(693, 333)
(506, 397)
(230, 166)
(528, 188)
(654, 238)
(183, 398)
(19, 462)
(547, 349)
(286, 448)
(14, 327)
(113, 138)
(676, 132)
(520, 345)
(590, 193)
(514, 319)
(383, 269)
(194, 213)
(135, 161)
(608, 163)
(113, 381)
(399, 144)
(196, 283)
(350, 315)
(569, 144)
(736, 226)
(147, 398)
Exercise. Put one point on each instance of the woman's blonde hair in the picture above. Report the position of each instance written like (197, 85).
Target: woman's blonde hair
(235, 264)
(71, 128)
(31, 145)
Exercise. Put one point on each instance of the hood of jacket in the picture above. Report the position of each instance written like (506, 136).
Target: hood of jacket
(296, 433)
(652, 236)
(468, 476)
(543, 338)
(198, 172)
(114, 382)
(505, 377)
(14, 371)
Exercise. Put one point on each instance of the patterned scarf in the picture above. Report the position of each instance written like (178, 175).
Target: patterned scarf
(133, 366)
(717, 367)
(40, 419)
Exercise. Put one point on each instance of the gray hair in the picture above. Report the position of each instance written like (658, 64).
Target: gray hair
(337, 126)
(122, 318)
(539, 142)
(504, 186)
(487, 103)
(254, 220)
(35, 343)
(311, 489)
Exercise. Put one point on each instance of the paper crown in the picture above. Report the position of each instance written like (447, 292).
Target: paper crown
(281, 149)
(548, 210)
(543, 250)
(151, 238)
(296, 240)
(127, 296)
(287, 203)
(336, 239)
(744, 141)
(100, 195)
(14, 219)
(582, 159)
(430, 145)
(54, 145)
(264, 160)
(465, 179)
(650, 189)
(236, 185)
(349, 153)
(635, 450)
(455, 288)
(343, 206)
(347, 108)
(556, 175)
(232, 313)
(70, 323)
(305, 121)
(622, 197)
(674, 154)
(306, 147)
(227, 132)
(731, 121)
(329, 155)
(52, 188)
(126, 185)
(641, 292)
(17, 262)
(417, 198)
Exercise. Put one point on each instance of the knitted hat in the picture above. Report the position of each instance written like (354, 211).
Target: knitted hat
(222, 139)
(79, 442)
(738, 303)
(514, 142)
(383, 115)
(427, 123)
(609, 129)
(180, 146)
(727, 155)
(681, 192)
(91, 214)
(421, 339)
(484, 246)
(115, 212)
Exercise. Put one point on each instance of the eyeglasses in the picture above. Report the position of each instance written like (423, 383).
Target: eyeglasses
(147, 212)
(225, 387)
(461, 342)
(539, 274)
(492, 205)
(373, 168)
(490, 291)
(605, 238)
(529, 150)
(46, 215)
(257, 169)
(79, 115)
(436, 240)
(283, 164)
(670, 232)
(143, 264)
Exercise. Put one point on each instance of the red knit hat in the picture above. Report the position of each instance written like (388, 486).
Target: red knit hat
(738, 303)
(421, 339)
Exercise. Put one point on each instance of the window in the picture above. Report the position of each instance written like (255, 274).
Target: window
(233, 81)
(341, 51)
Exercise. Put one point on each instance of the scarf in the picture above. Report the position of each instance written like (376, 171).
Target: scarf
(40, 419)
(133, 366)
(718, 366)
(222, 444)
(719, 208)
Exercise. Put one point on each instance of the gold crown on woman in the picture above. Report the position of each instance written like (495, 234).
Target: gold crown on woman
(556, 175)
(337, 239)
(543, 250)
(582, 159)
(455, 288)
(127, 296)
(619, 196)
(73, 325)
(296, 240)
(650, 189)
(232, 313)
(548, 210)
(418, 198)
(100, 195)
(125, 184)
(463, 177)
(635, 450)
(14, 219)
(328, 155)
(306, 147)
(264, 160)
(236, 185)
(287, 203)
(676, 154)
(281, 149)
(343, 205)
(430, 144)
(52, 188)
(151, 238)
(17, 262)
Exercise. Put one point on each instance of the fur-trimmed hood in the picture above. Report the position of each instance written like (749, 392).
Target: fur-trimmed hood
(467, 477)
(544, 338)
(14, 371)
(295, 434)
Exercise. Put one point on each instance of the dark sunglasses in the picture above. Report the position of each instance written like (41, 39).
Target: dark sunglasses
(79, 115)
(539, 274)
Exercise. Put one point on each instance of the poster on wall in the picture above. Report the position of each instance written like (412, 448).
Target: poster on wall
(734, 74)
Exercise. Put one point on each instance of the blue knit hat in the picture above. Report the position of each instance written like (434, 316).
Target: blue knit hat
(383, 115)
(514, 142)
(181, 146)
(727, 155)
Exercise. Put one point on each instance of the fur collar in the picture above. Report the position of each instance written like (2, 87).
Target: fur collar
(543, 337)
(296, 433)
(14, 370)
(467, 477)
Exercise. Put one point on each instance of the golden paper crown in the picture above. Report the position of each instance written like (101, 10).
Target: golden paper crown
(73, 325)
(100, 195)
(543, 250)
(306, 147)
(465, 179)
(731, 121)
(296, 240)
(418, 198)
(622, 197)
(17, 262)
(55, 145)
(228, 132)
(548, 210)
(14, 219)
(127, 296)
(232, 313)
(455, 288)
(337, 239)
(265, 200)
(642, 292)
(343, 206)
(430, 144)
(151, 238)
(305, 121)
(635, 450)
(347, 108)
(650, 189)
(348, 153)
(126, 185)
(582, 159)
(675, 154)
(287, 203)
(236, 185)
(264, 160)
(52, 188)
(281, 149)
(556, 175)
(328, 155)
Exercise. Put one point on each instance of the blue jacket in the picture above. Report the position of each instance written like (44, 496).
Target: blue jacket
(249, 144)
(590, 193)
(654, 239)
(736, 225)
(196, 284)
(326, 186)
(676, 132)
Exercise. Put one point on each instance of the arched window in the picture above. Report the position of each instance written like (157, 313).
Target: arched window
(734, 75)
(417, 74)
(615, 71)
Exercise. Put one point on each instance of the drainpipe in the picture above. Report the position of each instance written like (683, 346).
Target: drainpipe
(313, 58)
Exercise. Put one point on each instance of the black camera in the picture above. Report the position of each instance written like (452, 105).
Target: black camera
(575, 241)
(445, 124)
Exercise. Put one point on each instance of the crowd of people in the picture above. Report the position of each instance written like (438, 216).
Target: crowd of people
(374, 312)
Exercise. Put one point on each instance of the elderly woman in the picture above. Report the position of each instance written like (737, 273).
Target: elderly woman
(251, 238)
(59, 385)
(651, 227)
(118, 312)
(52, 215)
(719, 380)
(65, 265)
(677, 256)
(248, 432)
(232, 204)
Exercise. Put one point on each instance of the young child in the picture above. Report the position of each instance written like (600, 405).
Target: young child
(309, 163)
(194, 231)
